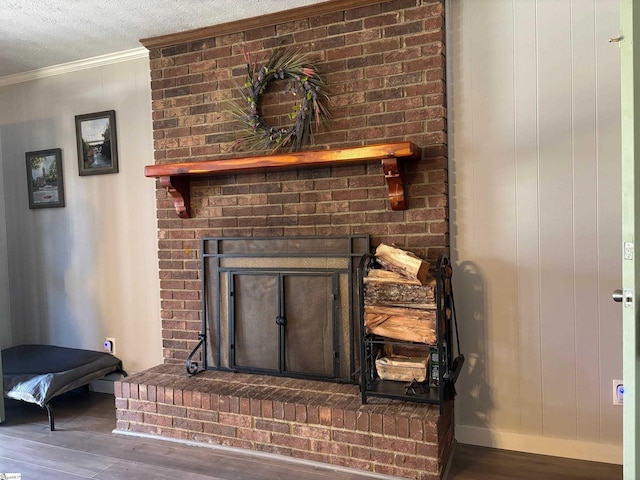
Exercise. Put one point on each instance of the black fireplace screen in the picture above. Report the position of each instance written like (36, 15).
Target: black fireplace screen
(282, 306)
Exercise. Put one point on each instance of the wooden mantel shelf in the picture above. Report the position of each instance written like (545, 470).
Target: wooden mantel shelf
(175, 176)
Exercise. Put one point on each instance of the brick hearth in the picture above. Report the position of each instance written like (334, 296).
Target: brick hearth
(310, 420)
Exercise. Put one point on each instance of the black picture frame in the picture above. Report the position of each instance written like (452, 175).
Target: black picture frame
(97, 143)
(45, 181)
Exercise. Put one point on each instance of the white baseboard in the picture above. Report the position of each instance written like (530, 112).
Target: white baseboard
(556, 447)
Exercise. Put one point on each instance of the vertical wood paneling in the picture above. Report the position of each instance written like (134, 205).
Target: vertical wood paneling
(496, 227)
(534, 135)
(585, 219)
(527, 185)
(473, 388)
(556, 219)
(495, 361)
(609, 212)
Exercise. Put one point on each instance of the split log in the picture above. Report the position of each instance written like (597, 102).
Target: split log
(382, 287)
(386, 276)
(401, 368)
(405, 263)
(406, 324)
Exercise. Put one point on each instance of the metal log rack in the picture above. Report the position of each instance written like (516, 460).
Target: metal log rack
(371, 385)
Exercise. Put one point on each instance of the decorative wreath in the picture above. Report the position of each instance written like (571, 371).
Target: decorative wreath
(303, 82)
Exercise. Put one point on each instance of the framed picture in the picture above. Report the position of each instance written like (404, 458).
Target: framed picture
(44, 178)
(97, 143)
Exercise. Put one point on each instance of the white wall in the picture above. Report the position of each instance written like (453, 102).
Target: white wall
(5, 306)
(89, 270)
(534, 124)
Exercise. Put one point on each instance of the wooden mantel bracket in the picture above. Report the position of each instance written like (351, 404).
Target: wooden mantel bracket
(179, 189)
(395, 183)
(175, 176)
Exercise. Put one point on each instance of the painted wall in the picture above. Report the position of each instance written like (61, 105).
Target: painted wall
(534, 124)
(78, 274)
(5, 306)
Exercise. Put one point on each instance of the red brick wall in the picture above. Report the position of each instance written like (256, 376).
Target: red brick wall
(385, 68)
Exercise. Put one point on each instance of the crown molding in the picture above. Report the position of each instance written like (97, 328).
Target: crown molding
(245, 24)
(85, 64)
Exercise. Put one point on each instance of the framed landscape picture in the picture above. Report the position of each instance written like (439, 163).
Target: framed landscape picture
(44, 178)
(97, 143)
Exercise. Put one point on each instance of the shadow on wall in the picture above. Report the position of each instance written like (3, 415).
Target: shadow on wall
(37, 241)
(474, 398)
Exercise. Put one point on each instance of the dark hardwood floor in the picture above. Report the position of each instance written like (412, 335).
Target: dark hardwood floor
(481, 463)
(83, 447)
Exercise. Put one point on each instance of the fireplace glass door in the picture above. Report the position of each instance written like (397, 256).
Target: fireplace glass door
(283, 323)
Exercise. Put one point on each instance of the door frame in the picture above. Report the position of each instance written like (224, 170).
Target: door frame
(630, 109)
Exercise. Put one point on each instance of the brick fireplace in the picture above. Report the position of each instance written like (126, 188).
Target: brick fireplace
(385, 68)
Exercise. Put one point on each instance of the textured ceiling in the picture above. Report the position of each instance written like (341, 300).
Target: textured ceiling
(41, 33)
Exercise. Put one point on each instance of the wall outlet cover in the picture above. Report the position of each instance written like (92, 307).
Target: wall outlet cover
(618, 392)
(109, 345)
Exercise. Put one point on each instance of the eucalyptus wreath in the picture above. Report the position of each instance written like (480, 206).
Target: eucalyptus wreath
(304, 83)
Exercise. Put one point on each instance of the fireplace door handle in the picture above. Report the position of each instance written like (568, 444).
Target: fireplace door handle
(279, 320)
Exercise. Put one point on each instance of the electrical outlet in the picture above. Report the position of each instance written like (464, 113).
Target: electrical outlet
(618, 392)
(109, 345)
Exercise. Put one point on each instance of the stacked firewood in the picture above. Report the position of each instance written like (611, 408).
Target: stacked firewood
(400, 305)
(399, 298)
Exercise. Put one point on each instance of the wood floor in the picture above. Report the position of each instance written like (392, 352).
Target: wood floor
(83, 447)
